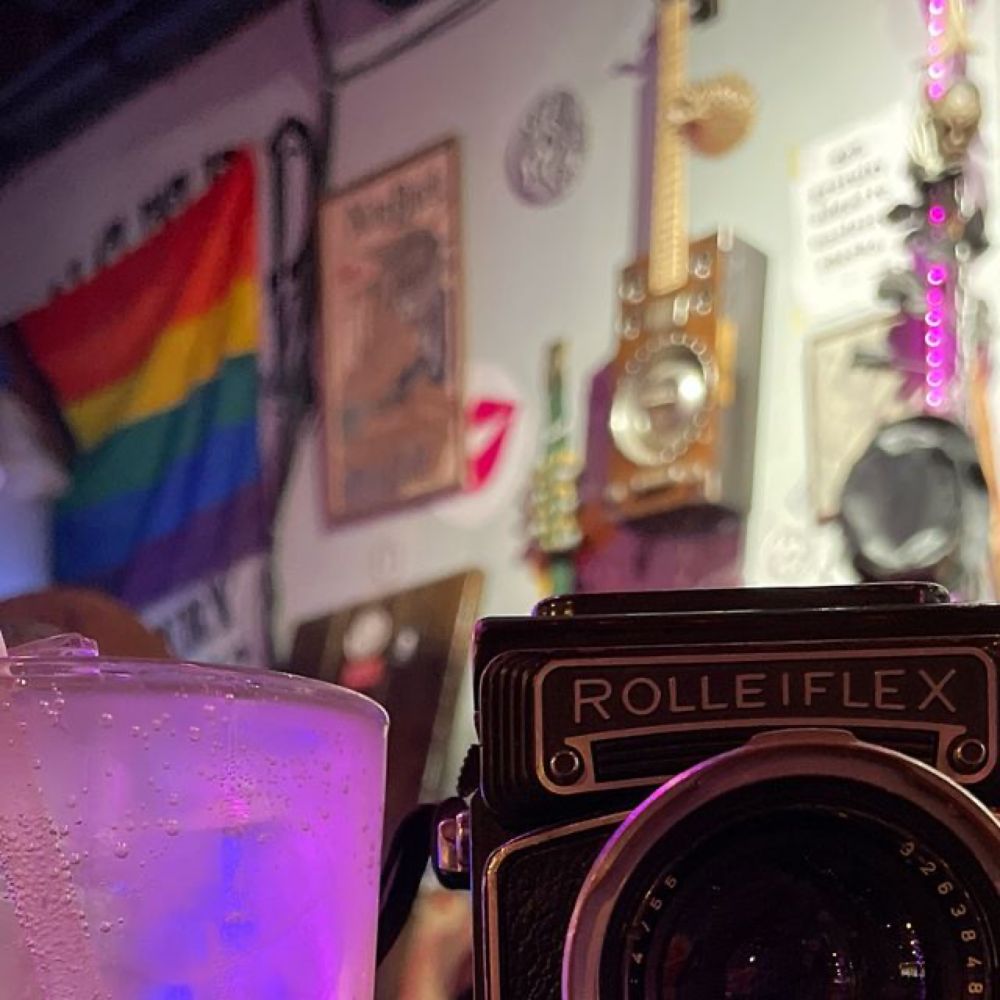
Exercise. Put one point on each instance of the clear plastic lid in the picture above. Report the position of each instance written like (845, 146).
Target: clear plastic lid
(75, 659)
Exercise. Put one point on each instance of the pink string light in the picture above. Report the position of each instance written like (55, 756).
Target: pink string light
(936, 326)
(939, 332)
(940, 70)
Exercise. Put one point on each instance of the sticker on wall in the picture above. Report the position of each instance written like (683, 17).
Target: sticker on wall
(792, 554)
(388, 560)
(489, 421)
(365, 644)
(499, 435)
(546, 153)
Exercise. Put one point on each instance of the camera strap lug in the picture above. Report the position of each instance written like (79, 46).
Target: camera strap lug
(452, 856)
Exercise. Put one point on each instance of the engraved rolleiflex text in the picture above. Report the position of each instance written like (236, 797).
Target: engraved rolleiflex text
(914, 691)
(636, 720)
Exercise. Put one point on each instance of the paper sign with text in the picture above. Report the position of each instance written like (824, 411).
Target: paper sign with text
(846, 185)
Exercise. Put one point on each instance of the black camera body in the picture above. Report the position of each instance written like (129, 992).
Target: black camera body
(596, 702)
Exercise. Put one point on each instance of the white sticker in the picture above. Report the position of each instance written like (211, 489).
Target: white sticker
(500, 438)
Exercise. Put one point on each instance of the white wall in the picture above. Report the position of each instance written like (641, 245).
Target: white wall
(531, 274)
(24, 549)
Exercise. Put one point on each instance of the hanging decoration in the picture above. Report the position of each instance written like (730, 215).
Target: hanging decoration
(915, 504)
(547, 152)
(946, 224)
(153, 369)
(672, 419)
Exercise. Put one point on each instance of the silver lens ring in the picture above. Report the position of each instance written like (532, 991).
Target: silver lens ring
(795, 753)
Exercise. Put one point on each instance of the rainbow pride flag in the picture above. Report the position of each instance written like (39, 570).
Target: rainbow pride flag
(153, 368)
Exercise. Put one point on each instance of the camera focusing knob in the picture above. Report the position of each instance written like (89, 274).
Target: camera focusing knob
(452, 849)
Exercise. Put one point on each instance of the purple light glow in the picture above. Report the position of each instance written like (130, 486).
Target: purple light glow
(937, 215)
(237, 809)
(252, 883)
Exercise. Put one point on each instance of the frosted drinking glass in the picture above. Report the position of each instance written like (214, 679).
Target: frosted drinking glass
(177, 832)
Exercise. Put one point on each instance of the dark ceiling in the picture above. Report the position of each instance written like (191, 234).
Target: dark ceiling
(63, 63)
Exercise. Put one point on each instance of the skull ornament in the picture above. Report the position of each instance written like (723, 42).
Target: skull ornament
(956, 118)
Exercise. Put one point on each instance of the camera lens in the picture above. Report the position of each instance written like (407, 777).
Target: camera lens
(806, 865)
(810, 904)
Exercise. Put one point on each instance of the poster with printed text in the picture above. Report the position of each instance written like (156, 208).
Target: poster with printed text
(846, 185)
(392, 337)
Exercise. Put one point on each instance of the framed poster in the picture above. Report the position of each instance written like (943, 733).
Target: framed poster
(408, 652)
(392, 337)
(852, 390)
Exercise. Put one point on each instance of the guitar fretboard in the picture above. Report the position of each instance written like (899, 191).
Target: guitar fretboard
(668, 250)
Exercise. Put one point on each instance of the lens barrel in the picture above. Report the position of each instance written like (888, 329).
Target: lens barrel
(805, 865)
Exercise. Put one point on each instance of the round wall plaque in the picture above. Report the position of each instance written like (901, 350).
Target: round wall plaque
(546, 153)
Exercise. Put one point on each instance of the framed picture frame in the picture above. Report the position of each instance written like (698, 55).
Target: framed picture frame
(408, 651)
(392, 337)
(851, 392)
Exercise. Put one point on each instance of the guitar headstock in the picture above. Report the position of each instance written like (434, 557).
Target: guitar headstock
(699, 11)
(704, 10)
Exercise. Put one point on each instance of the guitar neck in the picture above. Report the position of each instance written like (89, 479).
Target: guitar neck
(668, 251)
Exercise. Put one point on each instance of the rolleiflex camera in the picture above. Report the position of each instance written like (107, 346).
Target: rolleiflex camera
(736, 795)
